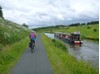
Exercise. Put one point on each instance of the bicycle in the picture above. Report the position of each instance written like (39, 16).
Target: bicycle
(32, 45)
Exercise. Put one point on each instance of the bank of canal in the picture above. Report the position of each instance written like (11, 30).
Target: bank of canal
(88, 51)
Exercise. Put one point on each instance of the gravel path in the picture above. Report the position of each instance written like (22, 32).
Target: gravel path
(33, 63)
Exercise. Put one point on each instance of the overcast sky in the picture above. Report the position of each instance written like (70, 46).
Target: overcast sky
(37, 13)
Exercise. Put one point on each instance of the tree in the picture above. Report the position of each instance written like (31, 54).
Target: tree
(1, 14)
(75, 24)
(25, 25)
(93, 22)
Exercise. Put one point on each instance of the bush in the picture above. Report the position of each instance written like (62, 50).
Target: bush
(95, 30)
(53, 40)
(88, 27)
(67, 27)
(1, 47)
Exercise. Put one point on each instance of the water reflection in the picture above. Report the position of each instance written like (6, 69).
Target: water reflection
(50, 35)
(75, 46)
(88, 52)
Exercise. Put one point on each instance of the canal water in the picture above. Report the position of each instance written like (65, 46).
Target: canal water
(88, 51)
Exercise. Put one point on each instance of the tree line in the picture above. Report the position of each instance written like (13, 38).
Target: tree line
(88, 23)
(75, 24)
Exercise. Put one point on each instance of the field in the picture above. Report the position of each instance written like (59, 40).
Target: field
(87, 31)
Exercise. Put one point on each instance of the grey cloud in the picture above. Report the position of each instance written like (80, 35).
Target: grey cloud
(50, 12)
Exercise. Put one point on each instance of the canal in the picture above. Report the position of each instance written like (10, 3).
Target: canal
(88, 51)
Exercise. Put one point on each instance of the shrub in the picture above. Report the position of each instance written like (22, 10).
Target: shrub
(1, 47)
(88, 27)
(67, 27)
(94, 30)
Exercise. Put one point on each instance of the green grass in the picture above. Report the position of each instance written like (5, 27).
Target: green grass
(86, 33)
(10, 54)
(62, 62)
(11, 32)
(13, 42)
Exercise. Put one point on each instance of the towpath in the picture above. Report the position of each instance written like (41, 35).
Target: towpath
(33, 63)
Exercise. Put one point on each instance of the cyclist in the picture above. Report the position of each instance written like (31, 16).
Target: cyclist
(32, 38)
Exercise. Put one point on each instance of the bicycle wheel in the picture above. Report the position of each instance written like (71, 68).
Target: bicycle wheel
(32, 47)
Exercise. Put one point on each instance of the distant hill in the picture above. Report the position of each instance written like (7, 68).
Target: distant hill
(11, 32)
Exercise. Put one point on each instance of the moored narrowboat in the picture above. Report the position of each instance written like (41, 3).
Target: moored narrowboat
(73, 38)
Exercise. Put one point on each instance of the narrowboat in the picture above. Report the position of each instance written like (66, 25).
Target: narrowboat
(73, 38)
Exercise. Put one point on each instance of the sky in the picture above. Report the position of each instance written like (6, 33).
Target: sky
(40, 13)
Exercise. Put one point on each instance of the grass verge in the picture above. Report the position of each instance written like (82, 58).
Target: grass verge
(10, 54)
(62, 62)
